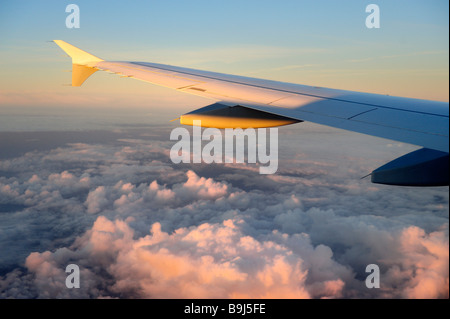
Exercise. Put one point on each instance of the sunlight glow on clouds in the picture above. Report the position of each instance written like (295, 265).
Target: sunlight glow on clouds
(85, 178)
(139, 226)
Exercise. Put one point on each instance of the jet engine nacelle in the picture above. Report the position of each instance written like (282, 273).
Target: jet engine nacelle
(424, 167)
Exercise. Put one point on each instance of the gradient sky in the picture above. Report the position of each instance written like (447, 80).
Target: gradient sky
(323, 43)
(102, 192)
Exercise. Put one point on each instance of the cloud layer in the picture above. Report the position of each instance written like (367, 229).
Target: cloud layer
(139, 226)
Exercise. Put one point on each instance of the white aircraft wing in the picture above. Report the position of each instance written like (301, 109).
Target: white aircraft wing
(249, 102)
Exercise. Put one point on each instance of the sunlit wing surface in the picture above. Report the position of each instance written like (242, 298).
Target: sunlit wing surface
(248, 102)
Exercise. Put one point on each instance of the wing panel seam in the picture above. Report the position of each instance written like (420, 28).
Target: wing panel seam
(353, 116)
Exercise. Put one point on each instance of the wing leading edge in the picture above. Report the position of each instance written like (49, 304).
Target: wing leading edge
(242, 101)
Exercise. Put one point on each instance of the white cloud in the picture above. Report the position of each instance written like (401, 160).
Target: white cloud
(211, 260)
(140, 226)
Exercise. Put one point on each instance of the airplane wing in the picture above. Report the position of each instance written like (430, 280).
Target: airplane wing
(248, 102)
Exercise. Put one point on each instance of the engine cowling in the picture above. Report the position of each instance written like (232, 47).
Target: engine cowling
(424, 167)
(223, 116)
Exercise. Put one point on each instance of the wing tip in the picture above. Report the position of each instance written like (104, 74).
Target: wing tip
(78, 56)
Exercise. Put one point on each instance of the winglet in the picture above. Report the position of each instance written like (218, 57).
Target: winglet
(82, 62)
(78, 56)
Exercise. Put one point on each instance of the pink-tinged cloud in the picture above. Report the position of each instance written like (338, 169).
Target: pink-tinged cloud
(208, 261)
(140, 227)
(219, 261)
(426, 256)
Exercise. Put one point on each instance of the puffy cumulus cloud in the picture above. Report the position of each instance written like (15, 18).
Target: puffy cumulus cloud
(96, 200)
(140, 226)
(124, 197)
(42, 192)
(204, 188)
(195, 188)
(220, 261)
(206, 261)
(424, 266)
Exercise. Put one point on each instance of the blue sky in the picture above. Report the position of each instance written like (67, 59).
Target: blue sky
(197, 23)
